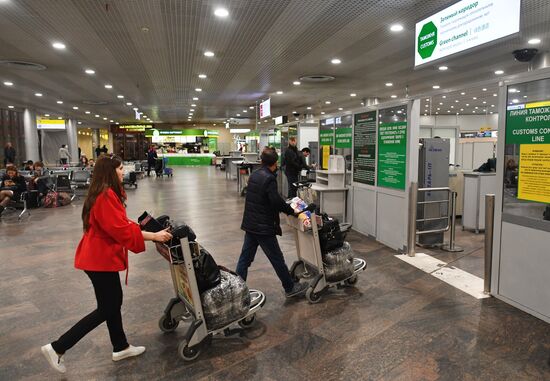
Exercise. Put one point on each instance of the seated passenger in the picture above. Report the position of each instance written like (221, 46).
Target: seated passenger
(39, 180)
(28, 166)
(83, 161)
(11, 188)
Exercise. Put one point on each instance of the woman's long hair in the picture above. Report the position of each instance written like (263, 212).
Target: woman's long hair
(104, 177)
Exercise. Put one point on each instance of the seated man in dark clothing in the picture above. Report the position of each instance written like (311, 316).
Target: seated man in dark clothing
(39, 180)
(262, 224)
(11, 187)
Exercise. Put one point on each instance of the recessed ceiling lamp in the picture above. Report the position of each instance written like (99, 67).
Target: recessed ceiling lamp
(436, 87)
(192, 109)
(104, 118)
(534, 41)
(202, 76)
(38, 94)
(353, 95)
(245, 110)
(79, 122)
(238, 114)
(96, 115)
(340, 108)
(10, 106)
(59, 45)
(336, 61)
(499, 72)
(251, 107)
(46, 114)
(495, 95)
(328, 102)
(441, 103)
(427, 99)
(456, 101)
(396, 28)
(512, 90)
(75, 108)
(394, 96)
(467, 104)
(89, 71)
(120, 96)
(296, 83)
(198, 89)
(444, 97)
(59, 117)
(117, 123)
(135, 109)
(108, 86)
(221, 12)
(209, 53)
(474, 98)
(279, 92)
(484, 102)
(515, 100)
(443, 68)
(193, 105)
(59, 102)
(195, 98)
(128, 103)
(322, 113)
(462, 93)
(308, 108)
(484, 89)
(7, 83)
(87, 112)
(389, 84)
(111, 121)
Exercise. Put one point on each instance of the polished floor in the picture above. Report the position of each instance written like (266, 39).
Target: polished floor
(398, 323)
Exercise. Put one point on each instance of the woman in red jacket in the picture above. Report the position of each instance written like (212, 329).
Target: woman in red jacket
(102, 253)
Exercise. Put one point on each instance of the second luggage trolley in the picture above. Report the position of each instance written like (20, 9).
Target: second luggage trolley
(309, 265)
(187, 303)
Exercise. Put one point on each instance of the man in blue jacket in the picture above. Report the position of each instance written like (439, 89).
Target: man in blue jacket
(261, 223)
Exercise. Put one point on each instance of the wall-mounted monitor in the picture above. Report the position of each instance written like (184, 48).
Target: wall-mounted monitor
(265, 109)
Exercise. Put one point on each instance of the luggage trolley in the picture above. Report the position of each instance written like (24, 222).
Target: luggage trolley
(309, 265)
(187, 303)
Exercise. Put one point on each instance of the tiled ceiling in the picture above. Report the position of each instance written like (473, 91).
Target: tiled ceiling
(152, 52)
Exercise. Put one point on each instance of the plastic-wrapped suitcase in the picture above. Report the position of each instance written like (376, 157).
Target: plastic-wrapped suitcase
(338, 263)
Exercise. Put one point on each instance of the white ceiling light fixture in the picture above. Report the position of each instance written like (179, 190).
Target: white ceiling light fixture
(89, 71)
(209, 53)
(87, 112)
(238, 114)
(59, 117)
(59, 102)
(59, 45)
(135, 109)
(396, 28)
(193, 105)
(117, 123)
(8, 83)
(198, 89)
(513, 90)
(463, 93)
(296, 83)
(251, 108)
(245, 110)
(104, 118)
(495, 95)
(308, 108)
(322, 113)
(128, 103)
(444, 97)
(394, 96)
(192, 109)
(46, 114)
(37, 94)
(120, 96)
(499, 72)
(328, 102)
(202, 76)
(10, 106)
(221, 12)
(389, 84)
(96, 115)
(111, 121)
(279, 92)
(534, 41)
(353, 95)
(336, 61)
(474, 98)
(340, 108)
(79, 122)
(108, 86)
(515, 100)
(436, 87)
(195, 98)
(75, 107)
(443, 68)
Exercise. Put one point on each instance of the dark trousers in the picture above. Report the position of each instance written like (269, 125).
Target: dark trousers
(291, 178)
(108, 293)
(150, 165)
(63, 161)
(270, 246)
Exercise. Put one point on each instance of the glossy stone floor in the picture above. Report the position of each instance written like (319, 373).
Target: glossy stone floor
(397, 324)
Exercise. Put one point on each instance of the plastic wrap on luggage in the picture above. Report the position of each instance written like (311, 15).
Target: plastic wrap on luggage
(338, 264)
(227, 302)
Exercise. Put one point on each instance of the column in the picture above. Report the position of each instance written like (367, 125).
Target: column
(95, 141)
(72, 139)
(31, 136)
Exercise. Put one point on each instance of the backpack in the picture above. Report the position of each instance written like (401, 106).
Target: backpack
(50, 200)
(63, 198)
(207, 271)
(330, 235)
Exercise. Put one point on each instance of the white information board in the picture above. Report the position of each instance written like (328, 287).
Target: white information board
(265, 109)
(465, 25)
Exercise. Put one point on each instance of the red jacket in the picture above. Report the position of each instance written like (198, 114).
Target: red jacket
(104, 247)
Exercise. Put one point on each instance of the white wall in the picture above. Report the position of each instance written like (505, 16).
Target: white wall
(465, 122)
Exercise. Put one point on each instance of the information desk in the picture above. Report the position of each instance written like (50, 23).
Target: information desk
(188, 158)
(476, 186)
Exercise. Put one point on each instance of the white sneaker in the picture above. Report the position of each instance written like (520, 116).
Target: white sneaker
(55, 360)
(131, 351)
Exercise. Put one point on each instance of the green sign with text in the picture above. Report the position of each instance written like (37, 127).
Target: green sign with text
(392, 155)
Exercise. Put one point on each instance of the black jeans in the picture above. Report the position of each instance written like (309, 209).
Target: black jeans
(270, 246)
(108, 293)
(150, 166)
(63, 161)
(291, 178)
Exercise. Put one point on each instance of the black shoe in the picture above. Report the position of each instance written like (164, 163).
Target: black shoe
(298, 290)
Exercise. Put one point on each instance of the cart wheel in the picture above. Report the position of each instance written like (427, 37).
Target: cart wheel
(248, 321)
(188, 353)
(351, 281)
(313, 297)
(167, 325)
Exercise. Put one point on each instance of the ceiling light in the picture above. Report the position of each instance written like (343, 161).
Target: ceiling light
(394, 96)
(104, 118)
(439, 108)
(59, 117)
(452, 106)
(534, 41)
(322, 113)
(79, 122)
(193, 105)
(435, 87)
(59, 102)
(97, 116)
(461, 109)
(195, 98)
(198, 89)
(495, 95)
(515, 100)
(491, 113)
(463, 93)
(120, 96)
(111, 121)
(8, 83)
(296, 83)
(75, 108)
(477, 108)
(279, 92)
(512, 90)
(192, 109)
(238, 114)
(117, 123)
(456, 101)
(38, 94)
(492, 105)
(336, 61)
(245, 110)
(426, 106)
(221, 12)
(467, 104)
(427, 99)
(108, 86)
(89, 71)
(484, 102)
(444, 97)
(389, 84)
(209, 54)
(251, 107)
(328, 102)
(353, 95)
(87, 112)
(474, 111)
(202, 76)
(441, 103)
(340, 108)
(46, 114)
(443, 68)
(308, 108)
(135, 109)
(59, 45)
(128, 103)
(499, 72)
(474, 98)
(396, 28)
(10, 106)
(525, 96)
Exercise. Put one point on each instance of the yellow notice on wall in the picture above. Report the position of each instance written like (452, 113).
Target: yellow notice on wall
(326, 155)
(534, 173)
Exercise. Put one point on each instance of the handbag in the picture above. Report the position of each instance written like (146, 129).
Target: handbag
(50, 200)
(330, 235)
(207, 271)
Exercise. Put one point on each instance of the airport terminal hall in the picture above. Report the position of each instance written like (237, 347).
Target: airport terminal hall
(278, 190)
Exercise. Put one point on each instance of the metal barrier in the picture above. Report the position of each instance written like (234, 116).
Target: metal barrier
(413, 220)
(489, 221)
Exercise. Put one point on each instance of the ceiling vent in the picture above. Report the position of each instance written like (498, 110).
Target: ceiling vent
(317, 78)
(24, 65)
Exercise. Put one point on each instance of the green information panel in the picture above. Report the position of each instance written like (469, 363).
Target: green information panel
(343, 137)
(364, 151)
(392, 154)
(212, 144)
(326, 137)
(529, 124)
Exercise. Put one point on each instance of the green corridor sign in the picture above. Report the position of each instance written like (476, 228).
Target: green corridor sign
(529, 125)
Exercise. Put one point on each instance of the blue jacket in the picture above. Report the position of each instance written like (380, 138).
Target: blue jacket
(263, 204)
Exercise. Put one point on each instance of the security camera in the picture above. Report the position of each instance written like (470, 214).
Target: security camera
(525, 55)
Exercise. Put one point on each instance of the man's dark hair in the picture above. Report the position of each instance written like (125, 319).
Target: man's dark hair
(269, 156)
(305, 149)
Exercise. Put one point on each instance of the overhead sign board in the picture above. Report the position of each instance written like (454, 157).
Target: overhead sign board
(265, 109)
(50, 124)
(281, 119)
(463, 26)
